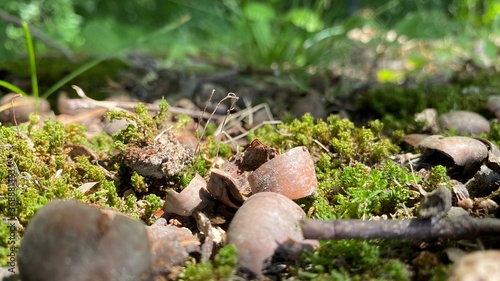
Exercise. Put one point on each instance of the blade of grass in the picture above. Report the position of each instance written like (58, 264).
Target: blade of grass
(11, 87)
(31, 56)
(92, 63)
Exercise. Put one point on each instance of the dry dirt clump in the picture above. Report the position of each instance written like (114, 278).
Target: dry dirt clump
(165, 157)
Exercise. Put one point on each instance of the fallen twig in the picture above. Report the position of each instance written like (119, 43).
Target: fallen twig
(462, 227)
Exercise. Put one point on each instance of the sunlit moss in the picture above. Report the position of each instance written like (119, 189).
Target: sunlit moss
(153, 204)
(213, 148)
(199, 166)
(138, 183)
(338, 135)
(437, 177)
(349, 260)
(142, 128)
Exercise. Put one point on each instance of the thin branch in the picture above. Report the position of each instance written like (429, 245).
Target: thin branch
(463, 227)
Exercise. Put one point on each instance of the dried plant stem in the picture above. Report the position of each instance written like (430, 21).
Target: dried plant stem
(14, 114)
(463, 227)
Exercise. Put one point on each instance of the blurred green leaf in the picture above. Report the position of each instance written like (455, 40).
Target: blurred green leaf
(256, 11)
(306, 19)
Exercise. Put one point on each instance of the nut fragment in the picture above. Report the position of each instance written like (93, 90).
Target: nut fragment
(266, 221)
(291, 174)
(481, 265)
(73, 241)
(194, 197)
(23, 107)
(464, 122)
(229, 184)
(463, 154)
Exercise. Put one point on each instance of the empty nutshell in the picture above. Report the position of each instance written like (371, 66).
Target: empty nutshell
(464, 122)
(266, 222)
(462, 153)
(229, 184)
(194, 197)
(493, 105)
(24, 106)
(68, 240)
(291, 174)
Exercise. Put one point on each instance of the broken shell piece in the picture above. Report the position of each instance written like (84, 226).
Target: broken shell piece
(481, 265)
(170, 246)
(86, 188)
(485, 205)
(493, 161)
(484, 182)
(413, 139)
(435, 205)
(464, 122)
(73, 241)
(214, 235)
(265, 222)
(194, 197)
(466, 153)
(228, 189)
(291, 174)
(75, 150)
(229, 184)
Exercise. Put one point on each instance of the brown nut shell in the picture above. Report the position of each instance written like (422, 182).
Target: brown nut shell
(266, 222)
(68, 240)
(291, 174)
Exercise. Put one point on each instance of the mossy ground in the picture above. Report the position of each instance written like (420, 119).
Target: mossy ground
(357, 179)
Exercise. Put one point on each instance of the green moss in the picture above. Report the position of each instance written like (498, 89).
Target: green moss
(212, 148)
(50, 139)
(130, 204)
(357, 191)
(198, 166)
(437, 177)
(182, 121)
(349, 260)
(138, 183)
(396, 104)
(364, 192)
(142, 128)
(153, 204)
(339, 136)
(101, 143)
(222, 267)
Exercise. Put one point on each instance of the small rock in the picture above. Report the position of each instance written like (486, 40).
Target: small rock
(493, 105)
(112, 127)
(164, 158)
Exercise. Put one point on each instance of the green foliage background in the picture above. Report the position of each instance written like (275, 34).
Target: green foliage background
(249, 33)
